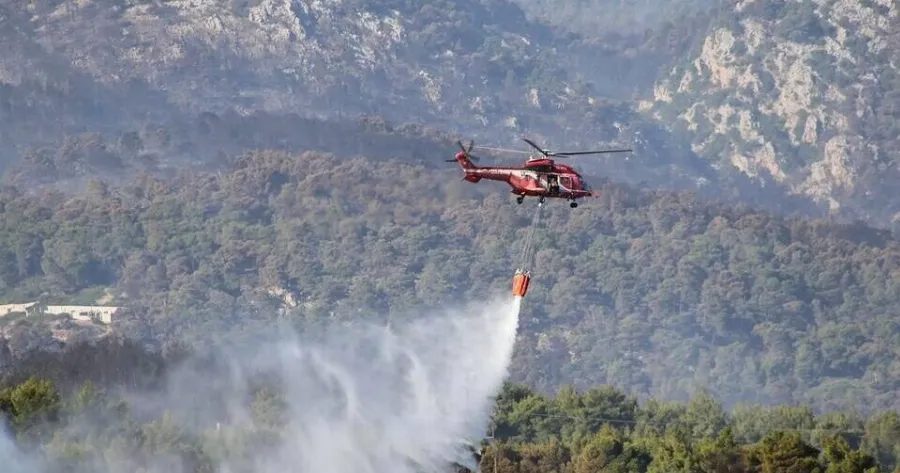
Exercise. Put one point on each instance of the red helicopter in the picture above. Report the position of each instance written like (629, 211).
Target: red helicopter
(540, 176)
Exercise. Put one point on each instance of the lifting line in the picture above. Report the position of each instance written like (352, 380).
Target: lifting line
(522, 278)
(528, 250)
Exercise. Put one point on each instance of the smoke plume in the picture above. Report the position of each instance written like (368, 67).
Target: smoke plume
(354, 399)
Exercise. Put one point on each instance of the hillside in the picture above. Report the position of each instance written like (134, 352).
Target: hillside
(654, 292)
(210, 142)
(476, 67)
(800, 93)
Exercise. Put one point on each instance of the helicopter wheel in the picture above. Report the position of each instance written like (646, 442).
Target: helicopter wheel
(542, 200)
(520, 199)
(573, 204)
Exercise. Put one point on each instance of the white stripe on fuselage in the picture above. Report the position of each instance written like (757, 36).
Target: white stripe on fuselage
(502, 172)
(541, 180)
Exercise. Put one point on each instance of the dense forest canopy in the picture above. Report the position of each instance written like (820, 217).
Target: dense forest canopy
(654, 292)
(105, 420)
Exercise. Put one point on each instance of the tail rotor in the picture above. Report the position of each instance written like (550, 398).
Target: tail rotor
(466, 152)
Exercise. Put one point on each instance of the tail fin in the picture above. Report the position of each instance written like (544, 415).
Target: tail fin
(464, 162)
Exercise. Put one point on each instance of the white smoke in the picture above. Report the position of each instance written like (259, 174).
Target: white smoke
(357, 400)
(388, 399)
(11, 459)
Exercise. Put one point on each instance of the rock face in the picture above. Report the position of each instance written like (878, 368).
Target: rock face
(403, 60)
(798, 93)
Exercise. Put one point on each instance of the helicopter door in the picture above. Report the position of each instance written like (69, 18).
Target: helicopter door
(566, 182)
(553, 183)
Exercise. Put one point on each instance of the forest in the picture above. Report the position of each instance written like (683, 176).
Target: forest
(79, 413)
(653, 292)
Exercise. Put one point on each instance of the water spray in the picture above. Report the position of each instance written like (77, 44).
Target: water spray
(355, 400)
(359, 400)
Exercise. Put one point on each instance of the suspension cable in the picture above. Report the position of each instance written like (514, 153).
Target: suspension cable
(527, 250)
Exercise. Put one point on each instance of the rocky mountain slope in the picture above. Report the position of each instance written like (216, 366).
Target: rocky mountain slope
(444, 63)
(481, 69)
(800, 93)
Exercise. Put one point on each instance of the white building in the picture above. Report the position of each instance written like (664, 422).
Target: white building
(83, 312)
(77, 312)
(27, 308)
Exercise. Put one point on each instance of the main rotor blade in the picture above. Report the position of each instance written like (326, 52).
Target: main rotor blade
(576, 153)
(535, 146)
(505, 150)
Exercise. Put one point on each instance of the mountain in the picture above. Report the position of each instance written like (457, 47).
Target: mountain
(481, 69)
(798, 93)
(444, 63)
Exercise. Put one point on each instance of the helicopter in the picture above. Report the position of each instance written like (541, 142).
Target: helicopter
(540, 176)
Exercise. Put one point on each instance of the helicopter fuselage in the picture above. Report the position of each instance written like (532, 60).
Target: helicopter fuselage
(537, 178)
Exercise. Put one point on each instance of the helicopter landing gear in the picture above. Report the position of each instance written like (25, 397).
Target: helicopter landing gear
(573, 204)
(520, 199)
(542, 200)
